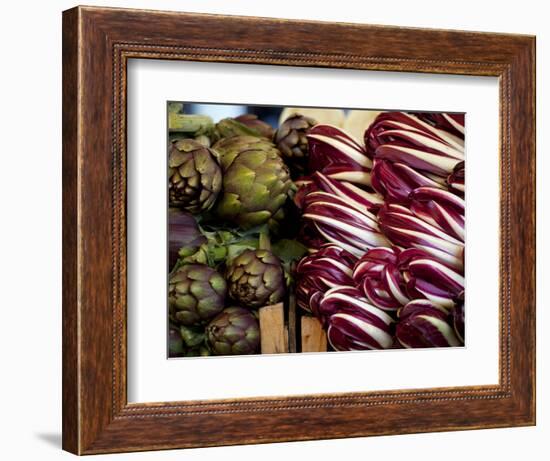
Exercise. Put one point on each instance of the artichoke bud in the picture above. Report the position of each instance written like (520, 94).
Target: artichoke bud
(252, 121)
(291, 140)
(196, 293)
(256, 278)
(195, 178)
(256, 181)
(176, 347)
(229, 127)
(184, 235)
(235, 331)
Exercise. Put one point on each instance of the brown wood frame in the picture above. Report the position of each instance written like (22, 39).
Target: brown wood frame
(97, 43)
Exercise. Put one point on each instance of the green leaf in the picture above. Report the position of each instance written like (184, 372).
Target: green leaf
(289, 250)
(192, 336)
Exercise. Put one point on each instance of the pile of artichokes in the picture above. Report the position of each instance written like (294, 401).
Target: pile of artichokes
(228, 186)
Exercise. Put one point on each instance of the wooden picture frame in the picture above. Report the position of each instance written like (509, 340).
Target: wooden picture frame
(97, 43)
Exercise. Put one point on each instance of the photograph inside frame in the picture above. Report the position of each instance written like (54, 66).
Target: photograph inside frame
(299, 229)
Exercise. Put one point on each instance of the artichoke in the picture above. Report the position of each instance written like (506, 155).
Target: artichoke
(196, 293)
(195, 178)
(233, 332)
(184, 235)
(186, 342)
(256, 181)
(244, 125)
(252, 121)
(176, 347)
(291, 140)
(256, 278)
(229, 148)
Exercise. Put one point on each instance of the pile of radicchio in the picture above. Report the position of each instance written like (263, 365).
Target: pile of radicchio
(384, 223)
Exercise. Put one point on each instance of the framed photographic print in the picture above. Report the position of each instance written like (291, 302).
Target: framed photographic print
(303, 239)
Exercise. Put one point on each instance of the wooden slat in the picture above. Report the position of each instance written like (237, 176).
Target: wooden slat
(292, 333)
(272, 329)
(314, 338)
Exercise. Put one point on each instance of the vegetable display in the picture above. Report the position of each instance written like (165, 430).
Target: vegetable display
(366, 234)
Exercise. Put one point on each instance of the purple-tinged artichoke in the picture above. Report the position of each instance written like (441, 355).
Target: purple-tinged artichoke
(176, 347)
(341, 223)
(256, 278)
(457, 315)
(184, 235)
(440, 208)
(404, 138)
(352, 323)
(338, 155)
(196, 293)
(253, 122)
(291, 140)
(423, 324)
(455, 180)
(235, 331)
(329, 267)
(395, 181)
(377, 274)
(406, 230)
(430, 279)
(195, 178)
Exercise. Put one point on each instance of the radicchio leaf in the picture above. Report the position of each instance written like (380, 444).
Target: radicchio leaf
(377, 274)
(424, 324)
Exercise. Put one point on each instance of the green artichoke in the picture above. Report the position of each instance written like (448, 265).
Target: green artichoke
(256, 181)
(229, 148)
(291, 140)
(195, 178)
(233, 332)
(252, 121)
(256, 278)
(196, 293)
(186, 342)
(229, 127)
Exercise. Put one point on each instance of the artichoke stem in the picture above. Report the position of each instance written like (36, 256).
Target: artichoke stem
(265, 243)
(192, 124)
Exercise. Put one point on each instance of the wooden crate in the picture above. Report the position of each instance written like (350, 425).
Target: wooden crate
(298, 333)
